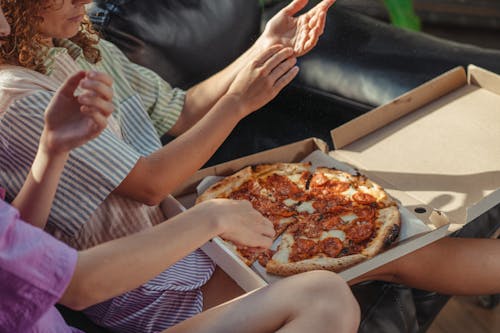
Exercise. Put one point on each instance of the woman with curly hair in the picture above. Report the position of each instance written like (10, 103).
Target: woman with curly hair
(112, 186)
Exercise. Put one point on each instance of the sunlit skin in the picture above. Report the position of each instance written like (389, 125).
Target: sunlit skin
(4, 26)
(301, 32)
(68, 15)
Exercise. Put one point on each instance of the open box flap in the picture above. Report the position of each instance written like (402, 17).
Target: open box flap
(444, 153)
(482, 78)
(385, 114)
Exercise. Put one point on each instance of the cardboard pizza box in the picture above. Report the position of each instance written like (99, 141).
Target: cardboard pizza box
(435, 149)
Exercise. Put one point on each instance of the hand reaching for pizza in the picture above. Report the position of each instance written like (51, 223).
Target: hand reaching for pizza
(262, 79)
(301, 32)
(239, 222)
(71, 121)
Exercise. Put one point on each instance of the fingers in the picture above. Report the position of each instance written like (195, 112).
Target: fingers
(100, 76)
(284, 80)
(71, 84)
(260, 238)
(97, 105)
(90, 99)
(97, 123)
(262, 232)
(97, 95)
(325, 4)
(100, 83)
(281, 68)
(294, 7)
(267, 228)
(268, 54)
(278, 59)
(243, 224)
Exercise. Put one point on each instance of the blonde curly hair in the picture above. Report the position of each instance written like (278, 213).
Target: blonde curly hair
(24, 47)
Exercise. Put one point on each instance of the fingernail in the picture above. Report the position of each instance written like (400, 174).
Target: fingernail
(92, 74)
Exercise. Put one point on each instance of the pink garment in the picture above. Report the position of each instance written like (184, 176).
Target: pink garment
(35, 269)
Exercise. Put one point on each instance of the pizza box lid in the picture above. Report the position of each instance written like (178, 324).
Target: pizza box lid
(433, 149)
(437, 145)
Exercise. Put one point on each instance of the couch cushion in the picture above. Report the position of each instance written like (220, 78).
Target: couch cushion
(370, 62)
(185, 41)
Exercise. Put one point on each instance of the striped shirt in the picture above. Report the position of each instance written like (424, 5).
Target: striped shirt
(145, 107)
(85, 212)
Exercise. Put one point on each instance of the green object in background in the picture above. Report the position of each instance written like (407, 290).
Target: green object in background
(402, 14)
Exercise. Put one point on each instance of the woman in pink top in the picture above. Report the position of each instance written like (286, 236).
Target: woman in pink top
(36, 270)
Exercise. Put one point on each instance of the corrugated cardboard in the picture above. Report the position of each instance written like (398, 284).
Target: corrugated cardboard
(435, 149)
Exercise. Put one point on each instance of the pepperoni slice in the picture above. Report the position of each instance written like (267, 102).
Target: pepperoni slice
(331, 246)
(329, 222)
(360, 231)
(364, 212)
(364, 198)
(280, 186)
(304, 249)
(318, 180)
(309, 226)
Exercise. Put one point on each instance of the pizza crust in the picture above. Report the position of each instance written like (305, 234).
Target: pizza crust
(223, 188)
(331, 264)
(390, 224)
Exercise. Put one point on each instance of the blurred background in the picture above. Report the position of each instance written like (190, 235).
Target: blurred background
(475, 22)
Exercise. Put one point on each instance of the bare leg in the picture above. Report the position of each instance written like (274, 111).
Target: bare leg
(455, 266)
(317, 301)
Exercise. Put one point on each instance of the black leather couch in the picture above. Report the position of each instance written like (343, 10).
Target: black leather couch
(358, 64)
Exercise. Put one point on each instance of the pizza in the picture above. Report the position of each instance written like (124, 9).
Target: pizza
(324, 218)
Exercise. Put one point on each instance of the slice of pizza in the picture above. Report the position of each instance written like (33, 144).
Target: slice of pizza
(334, 241)
(344, 188)
(267, 187)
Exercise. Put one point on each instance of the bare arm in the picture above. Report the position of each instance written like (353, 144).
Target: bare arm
(99, 272)
(455, 266)
(300, 33)
(35, 197)
(155, 176)
(201, 98)
(69, 122)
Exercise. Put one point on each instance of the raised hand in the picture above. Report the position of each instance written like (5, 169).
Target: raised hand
(71, 121)
(301, 32)
(264, 77)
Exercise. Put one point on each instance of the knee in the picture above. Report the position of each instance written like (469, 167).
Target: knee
(330, 297)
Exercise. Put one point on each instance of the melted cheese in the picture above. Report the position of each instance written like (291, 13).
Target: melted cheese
(333, 233)
(282, 255)
(373, 191)
(284, 250)
(349, 192)
(348, 218)
(306, 206)
(337, 176)
(286, 220)
(295, 177)
(290, 202)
